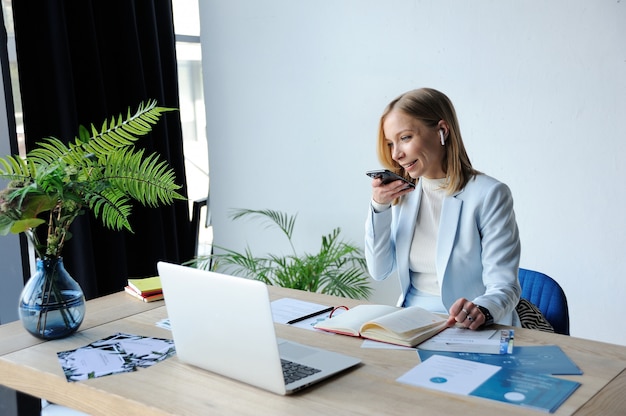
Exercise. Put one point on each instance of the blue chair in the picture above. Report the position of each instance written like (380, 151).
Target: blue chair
(545, 293)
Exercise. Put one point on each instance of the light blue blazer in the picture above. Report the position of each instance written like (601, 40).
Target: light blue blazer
(478, 247)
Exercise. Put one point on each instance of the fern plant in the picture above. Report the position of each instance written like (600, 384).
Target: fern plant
(101, 171)
(337, 269)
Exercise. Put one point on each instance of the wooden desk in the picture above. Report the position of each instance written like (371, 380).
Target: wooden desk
(173, 388)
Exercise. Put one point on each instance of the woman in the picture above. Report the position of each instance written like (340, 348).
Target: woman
(452, 239)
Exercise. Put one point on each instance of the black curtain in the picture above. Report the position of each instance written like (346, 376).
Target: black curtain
(81, 62)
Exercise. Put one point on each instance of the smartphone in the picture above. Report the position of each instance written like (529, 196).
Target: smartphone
(388, 176)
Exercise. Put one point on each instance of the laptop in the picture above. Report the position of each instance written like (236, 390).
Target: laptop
(224, 324)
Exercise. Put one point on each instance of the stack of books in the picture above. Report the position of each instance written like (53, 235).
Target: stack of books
(147, 289)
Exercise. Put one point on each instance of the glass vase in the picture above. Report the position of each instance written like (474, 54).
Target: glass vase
(52, 304)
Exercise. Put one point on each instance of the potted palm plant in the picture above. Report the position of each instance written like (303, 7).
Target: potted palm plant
(100, 171)
(338, 268)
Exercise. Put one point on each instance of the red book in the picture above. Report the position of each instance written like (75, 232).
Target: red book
(145, 298)
(146, 286)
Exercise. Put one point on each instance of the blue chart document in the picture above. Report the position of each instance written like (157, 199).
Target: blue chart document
(471, 378)
(524, 389)
(540, 359)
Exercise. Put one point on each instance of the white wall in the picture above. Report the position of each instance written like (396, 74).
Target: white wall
(294, 90)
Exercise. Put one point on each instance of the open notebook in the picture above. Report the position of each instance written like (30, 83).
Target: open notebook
(224, 324)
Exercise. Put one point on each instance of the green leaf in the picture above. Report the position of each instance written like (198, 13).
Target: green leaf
(83, 134)
(37, 204)
(23, 225)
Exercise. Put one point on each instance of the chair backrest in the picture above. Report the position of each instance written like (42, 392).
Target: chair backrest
(545, 293)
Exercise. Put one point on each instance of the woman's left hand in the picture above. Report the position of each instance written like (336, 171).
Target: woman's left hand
(466, 313)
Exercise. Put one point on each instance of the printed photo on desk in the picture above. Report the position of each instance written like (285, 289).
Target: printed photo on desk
(119, 353)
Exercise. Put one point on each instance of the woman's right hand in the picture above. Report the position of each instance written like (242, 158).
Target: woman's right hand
(385, 194)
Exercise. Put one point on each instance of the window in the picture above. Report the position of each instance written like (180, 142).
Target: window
(187, 28)
(192, 110)
(7, 12)
(191, 97)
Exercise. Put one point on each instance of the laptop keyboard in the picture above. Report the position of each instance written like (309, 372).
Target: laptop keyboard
(294, 371)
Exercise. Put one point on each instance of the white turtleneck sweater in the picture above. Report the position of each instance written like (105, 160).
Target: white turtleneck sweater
(423, 254)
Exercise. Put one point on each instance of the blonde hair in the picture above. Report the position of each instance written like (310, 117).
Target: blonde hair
(430, 106)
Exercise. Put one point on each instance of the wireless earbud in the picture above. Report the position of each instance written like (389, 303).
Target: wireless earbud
(443, 140)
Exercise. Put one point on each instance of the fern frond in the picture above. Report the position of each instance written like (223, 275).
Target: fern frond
(239, 264)
(115, 133)
(283, 221)
(348, 282)
(112, 206)
(16, 168)
(49, 151)
(99, 170)
(150, 181)
(119, 133)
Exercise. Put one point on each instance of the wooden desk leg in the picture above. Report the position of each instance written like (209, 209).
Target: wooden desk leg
(28, 405)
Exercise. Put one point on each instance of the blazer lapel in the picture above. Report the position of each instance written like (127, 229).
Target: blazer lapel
(404, 235)
(450, 214)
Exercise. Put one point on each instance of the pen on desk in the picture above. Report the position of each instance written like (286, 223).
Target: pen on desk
(311, 315)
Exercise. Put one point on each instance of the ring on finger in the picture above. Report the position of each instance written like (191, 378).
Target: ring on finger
(465, 310)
